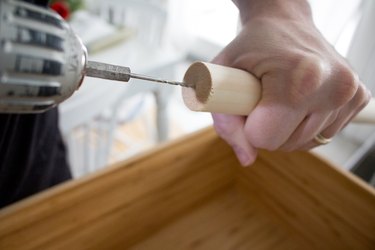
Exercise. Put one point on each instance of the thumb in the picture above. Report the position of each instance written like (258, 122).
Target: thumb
(231, 129)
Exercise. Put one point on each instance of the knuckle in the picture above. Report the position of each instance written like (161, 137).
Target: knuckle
(346, 86)
(306, 77)
(364, 96)
(311, 72)
(369, 97)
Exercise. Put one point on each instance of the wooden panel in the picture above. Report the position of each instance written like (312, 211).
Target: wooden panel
(121, 204)
(188, 187)
(327, 207)
(227, 221)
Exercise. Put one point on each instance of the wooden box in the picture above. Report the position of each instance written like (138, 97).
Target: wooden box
(192, 194)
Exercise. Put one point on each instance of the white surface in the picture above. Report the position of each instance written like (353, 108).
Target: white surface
(94, 108)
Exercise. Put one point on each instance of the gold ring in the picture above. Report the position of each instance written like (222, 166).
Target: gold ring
(321, 139)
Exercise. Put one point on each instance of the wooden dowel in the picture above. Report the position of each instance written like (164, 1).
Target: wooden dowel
(226, 90)
(220, 89)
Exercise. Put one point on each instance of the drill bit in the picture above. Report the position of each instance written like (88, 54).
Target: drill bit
(121, 73)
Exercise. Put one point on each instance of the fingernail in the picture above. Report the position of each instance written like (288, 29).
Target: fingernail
(242, 156)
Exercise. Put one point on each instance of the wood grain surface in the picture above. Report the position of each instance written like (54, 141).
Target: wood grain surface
(192, 194)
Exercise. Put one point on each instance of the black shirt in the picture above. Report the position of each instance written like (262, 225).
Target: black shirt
(32, 153)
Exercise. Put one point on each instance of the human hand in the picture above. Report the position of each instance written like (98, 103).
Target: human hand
(307, 87)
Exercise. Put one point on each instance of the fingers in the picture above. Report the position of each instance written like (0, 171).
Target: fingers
(281, 127)
(271, 124)
(274, 125)
(342, 117)
(231, 129)
(311, 126)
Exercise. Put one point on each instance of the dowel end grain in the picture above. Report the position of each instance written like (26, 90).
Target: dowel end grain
(197, 75)
(220, 89)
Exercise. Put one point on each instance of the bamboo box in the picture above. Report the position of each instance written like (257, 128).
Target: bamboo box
(192, 194)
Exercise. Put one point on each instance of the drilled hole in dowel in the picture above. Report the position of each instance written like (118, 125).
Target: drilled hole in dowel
(197, 75)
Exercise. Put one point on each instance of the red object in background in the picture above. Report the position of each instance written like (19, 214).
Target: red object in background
(61, 8)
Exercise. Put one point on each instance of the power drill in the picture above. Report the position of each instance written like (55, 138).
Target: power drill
(43, 62)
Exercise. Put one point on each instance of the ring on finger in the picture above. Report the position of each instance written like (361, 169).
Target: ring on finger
(320, 139)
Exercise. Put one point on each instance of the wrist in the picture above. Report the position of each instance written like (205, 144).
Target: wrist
(297, 10)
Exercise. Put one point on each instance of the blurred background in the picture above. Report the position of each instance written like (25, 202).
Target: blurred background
(106, 122)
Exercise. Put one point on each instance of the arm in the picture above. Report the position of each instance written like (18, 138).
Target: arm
(307, 87)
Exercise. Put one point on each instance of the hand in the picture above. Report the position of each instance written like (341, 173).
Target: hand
(307, 87)
(41, 59)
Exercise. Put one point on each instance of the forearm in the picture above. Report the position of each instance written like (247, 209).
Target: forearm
(285, 9)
